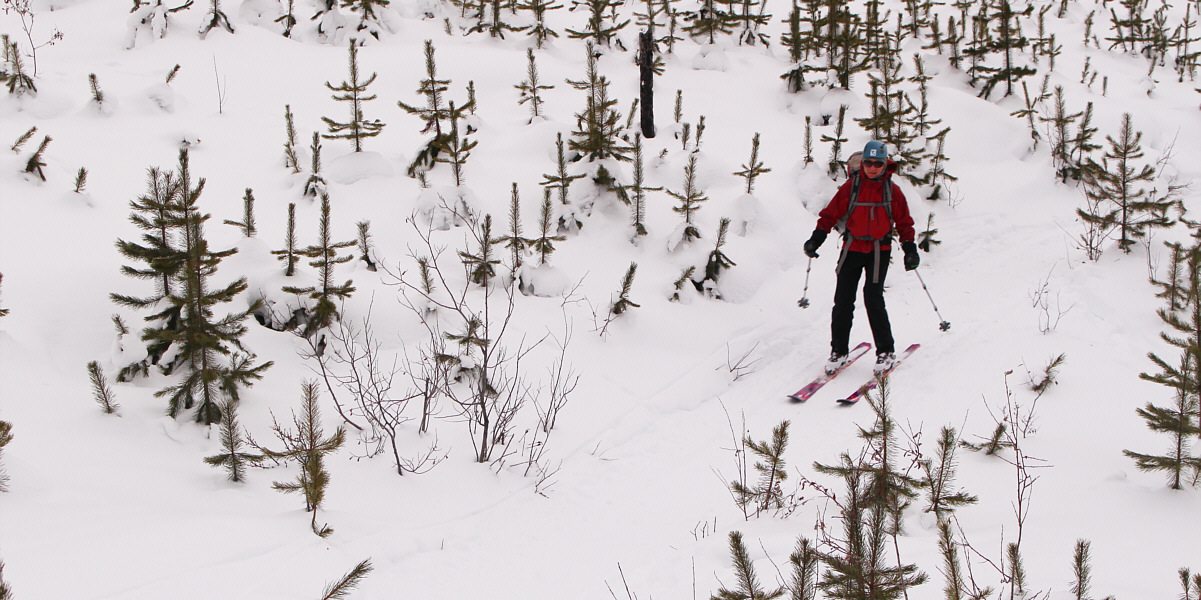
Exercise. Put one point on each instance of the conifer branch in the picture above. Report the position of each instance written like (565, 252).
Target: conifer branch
(101, 392)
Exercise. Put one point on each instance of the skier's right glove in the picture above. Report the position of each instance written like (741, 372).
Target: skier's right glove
(912, 260)
(815, 242)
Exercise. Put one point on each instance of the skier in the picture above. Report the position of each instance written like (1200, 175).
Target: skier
(865, 209)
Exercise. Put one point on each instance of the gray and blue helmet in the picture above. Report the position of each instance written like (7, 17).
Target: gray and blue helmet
(875, 150)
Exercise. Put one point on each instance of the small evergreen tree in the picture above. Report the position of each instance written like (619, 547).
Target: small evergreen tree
(339, 589)
(531, 89)
(709, 21)
(289, 255)
(544, 244)
(34, 165)
(638, 189)
(939, 479)
(516, 244)
(81, 180)
(599, 125)
(602, 25)
(19, 82)
(369, 21)
(754, 168)
(288, 19)
(325, 257)
(291, 160)
(690, 198)
(772, 471)
(805, 560)
(315, 185)
(492, 19)
(481, 266)
(1180, 421)
(718, 262)
(455, 149)
(25, 137)
(307, 446)
(357, 128)
(925, 239)
(433, 114)
(247, 223)
(623, 302)
(744, 569)
(364, 243)
(101, 392)
(97, 94)
(231, 457)
(539, 30)
(215, 18)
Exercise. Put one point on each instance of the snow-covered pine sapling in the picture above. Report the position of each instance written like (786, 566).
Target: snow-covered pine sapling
(623, 302)
(602, 25)
(291, 159)
(325, 257)
(288, 19)
(1179, 422)
(531, 89)
(455, 149)
(938, 176)
(753, 168)
(1082, 571)
(369, 21)
(685, 135)
(431, 89)
(81, 179)
(6, 436)
(492, 19)
(482, 265)
(232, 458)
(700, 132)
(97, 94)
(307, 446)
(805, 562)
(684, 279)
(598, 133)
(357, 127)
(25, 137)
(247, 223)
(289, 255)
(836, 165)
(748, 587)
(1134, 209)
(952, 569)
(19, 82)
(215, 18)
(342, 587)
(314, 187)
(638, 189)
(993, 444)
(925, 239)
(808, 144)
(939, 477)
(690, 199)
(153, 16)
(514, 242)
(718, 262)
(767, 492)
(544, 244)
(1173, 289)
(366, 248)
(34, 165)
(101, 392)
(561, 179)
(1192, 587)
(539, 9)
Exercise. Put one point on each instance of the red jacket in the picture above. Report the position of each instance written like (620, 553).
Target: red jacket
(869, 220)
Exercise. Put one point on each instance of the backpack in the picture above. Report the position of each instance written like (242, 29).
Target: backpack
(853, 166)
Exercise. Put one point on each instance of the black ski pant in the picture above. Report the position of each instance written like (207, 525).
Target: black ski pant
(855, 265)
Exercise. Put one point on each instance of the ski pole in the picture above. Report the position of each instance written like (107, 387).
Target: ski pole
(804, 301)
(944, 325)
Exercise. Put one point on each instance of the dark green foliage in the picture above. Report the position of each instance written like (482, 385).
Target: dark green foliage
(744, 569)
(288, 19)
(357, 127)
(531, 89)
(364, 242)
(215, 18)
(561, 179)
(231, 457)
(1180, 422)
(544, 244)
(1016, 572)
(368, 19)
(25, 137)
(754, 168)
(307, 447)
(805, 561)
(638, 190)
(539, 29)
(516, 244)
(291, 160)
(481, 266)
(492, 20)
(34, 165)
(6, 591)
(1173, 289)
(1050, 372)
(1081, 570)
(770, 465)
(289, 255)
(690, 199)
(684, 279)
(97, 95)
(19, 82)
(711, 20)
(952, 568)
(432, 89)
(939, 479)
(101, 392)
(602, 26)
(325, 257)
(925, 239)
(1007, 41)
(247, 223)
(315, 185)
(836, 166)
(341, 589)
(718, 262)
(599, 125)
(623, 302)
(993, 445)
(455, 149)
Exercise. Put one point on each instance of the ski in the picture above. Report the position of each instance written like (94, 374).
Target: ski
(809, 390)
(875, 380)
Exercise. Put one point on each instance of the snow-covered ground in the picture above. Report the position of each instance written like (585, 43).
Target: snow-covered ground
(124, 507)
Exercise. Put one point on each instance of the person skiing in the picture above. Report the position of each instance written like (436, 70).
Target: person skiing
(866, 209)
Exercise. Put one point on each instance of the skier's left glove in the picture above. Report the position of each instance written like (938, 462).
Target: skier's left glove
(912, 260)
(814, 242)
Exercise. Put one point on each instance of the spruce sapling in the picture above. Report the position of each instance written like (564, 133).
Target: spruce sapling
(247, 222)
(455, 149)
(231, 457)
(623, 302)
(81, 180)
(101, 392)
(748, 582)
(288, 19)
(34, 165)
(342, 588)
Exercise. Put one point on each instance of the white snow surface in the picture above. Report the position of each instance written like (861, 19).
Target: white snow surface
(124, 508)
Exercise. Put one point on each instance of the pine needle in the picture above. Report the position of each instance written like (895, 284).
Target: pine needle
(348, 583)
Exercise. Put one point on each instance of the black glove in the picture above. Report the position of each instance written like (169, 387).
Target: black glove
(815, 242)
(912, 260)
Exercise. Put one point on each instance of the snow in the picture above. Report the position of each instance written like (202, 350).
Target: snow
(125, 508)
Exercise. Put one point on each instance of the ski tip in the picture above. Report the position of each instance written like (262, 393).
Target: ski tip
(795, 400)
